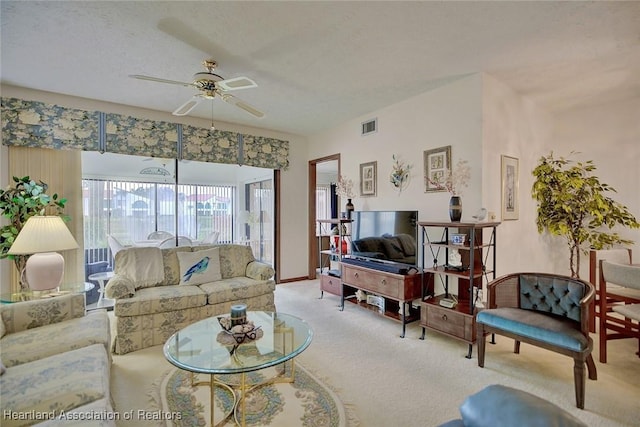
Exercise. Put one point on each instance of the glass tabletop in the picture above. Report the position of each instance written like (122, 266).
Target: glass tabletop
(29, 295)
(205, 347)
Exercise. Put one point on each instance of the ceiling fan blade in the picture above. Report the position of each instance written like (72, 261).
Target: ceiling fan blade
(156, 79)
(186, 108)
(237, 83)
(241, 104)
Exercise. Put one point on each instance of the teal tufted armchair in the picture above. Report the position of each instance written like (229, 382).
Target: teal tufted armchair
(546, 310)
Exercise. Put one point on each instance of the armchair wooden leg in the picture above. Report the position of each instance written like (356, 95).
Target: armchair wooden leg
(579, 380)
(481, 344)
(516, 347)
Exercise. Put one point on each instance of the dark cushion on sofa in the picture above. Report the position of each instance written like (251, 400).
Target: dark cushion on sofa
(501, 406)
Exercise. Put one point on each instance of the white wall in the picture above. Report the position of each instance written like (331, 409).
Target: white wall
(294, 180)
(515, 127)
(449, 115)
(609, 135)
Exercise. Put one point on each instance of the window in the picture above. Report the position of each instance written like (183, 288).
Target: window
(132, 210)
(323, 204)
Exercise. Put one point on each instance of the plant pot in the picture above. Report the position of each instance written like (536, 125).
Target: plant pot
(455, 208)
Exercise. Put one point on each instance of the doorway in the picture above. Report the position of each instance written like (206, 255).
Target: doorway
(322, 170)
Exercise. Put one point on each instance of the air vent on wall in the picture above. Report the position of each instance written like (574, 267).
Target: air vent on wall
(370, 126)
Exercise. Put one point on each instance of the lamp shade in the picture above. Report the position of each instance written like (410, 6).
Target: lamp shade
(43, 234)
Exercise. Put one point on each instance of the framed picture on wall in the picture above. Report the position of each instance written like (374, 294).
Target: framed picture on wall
(510, 190)
(368, 178)
(437, 163)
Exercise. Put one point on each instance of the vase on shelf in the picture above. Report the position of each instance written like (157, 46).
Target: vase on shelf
(349, 208)
(455, 208)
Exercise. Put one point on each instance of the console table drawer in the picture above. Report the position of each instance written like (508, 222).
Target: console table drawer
(374, 282)
(448, 321)
(331, 284)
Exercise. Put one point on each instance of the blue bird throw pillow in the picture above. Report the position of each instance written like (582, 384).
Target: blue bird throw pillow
(199, 267)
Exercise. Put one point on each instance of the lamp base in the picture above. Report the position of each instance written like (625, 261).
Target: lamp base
(44, 271)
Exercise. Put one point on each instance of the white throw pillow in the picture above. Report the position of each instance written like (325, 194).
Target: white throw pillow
(199, 267)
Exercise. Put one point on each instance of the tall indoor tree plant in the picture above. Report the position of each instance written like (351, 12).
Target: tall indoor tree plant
(20, 202)
(573, 203)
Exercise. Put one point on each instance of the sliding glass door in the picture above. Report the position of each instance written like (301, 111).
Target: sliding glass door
(259, 203)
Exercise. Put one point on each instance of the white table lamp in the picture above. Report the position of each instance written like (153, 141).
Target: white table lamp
(41, 237)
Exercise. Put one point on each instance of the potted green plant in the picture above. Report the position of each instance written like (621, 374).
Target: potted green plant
(18, 203)
(573, 203)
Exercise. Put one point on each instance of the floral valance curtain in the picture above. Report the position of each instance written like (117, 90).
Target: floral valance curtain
(37, 124)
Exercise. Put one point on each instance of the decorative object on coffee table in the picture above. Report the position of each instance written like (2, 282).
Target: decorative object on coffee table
(238, 314)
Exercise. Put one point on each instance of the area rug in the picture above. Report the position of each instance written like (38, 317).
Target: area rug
(305, 402)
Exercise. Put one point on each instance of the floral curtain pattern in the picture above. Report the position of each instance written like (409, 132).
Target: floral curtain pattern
(263, 152)
(209, 146)
(140, 137)
(37, 124)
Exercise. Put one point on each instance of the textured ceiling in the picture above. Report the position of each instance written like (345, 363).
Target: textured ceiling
(318, 64)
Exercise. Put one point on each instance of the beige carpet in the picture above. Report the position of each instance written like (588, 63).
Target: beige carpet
(388, 380)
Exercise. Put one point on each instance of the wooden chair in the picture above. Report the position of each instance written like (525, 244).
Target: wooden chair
(619, 255)
(619, 304)
(546, 310)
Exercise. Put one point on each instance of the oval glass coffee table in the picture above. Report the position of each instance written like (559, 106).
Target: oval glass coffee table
(206, 348)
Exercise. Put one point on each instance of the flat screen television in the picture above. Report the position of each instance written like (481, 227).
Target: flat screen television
(387, 236)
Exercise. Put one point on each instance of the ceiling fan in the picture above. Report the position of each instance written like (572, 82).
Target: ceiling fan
(210, 85)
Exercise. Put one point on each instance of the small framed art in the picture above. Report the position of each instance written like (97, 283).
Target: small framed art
(510, 187)
(368, 178)
(437, 163)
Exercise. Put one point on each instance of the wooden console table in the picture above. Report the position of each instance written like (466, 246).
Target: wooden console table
(396, 290)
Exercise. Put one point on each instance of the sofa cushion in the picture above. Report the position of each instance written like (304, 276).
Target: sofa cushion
(199, 267)
(142, 265)
(236, 289)
(172, 265)
(160, 299)
(234, 260)
(56, 383)
(26, 346)
(500, 406)
(538, 326)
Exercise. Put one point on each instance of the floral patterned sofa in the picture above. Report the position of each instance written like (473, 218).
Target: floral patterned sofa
(55, 361)
(160, 291)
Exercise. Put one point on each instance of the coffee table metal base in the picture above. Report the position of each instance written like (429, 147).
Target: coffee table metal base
(240, 391)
